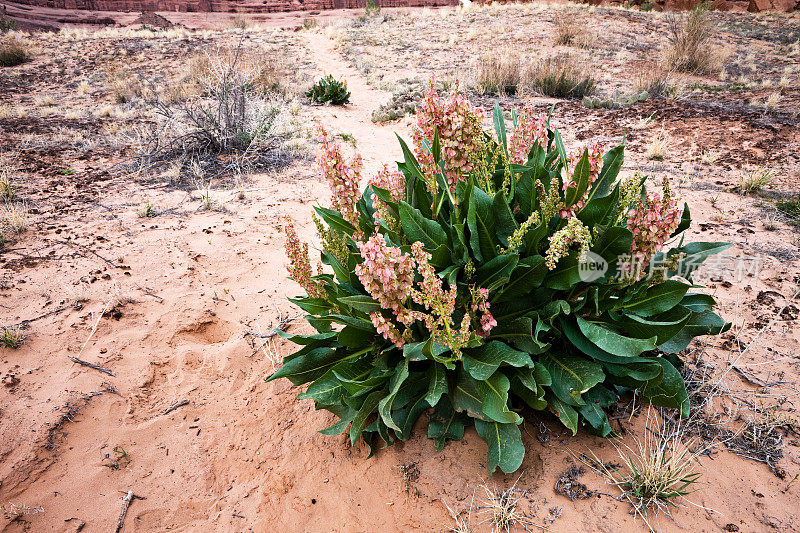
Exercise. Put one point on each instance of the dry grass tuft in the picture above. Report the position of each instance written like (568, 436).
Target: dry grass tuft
(690, 48)
(659, 146)
(13, 218)
(498, 73)
(653, 79)
(571, 32)
(11, 511)
(13, 52)
(656, 473)
(754, 179)
(562, 76)
(501, 507)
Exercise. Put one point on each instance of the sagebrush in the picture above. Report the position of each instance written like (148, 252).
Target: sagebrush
(493, 273)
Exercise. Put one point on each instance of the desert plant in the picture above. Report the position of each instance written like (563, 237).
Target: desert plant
(329, 90)
(13, 217)
(571, 32)
(655, 474)
(754, 179)
(8, 189)
(615, 101)
(689, 48)
(13, 52)
(493, 271)
(497, 73)
(372, 9)
(561, 77)
(403, 102)
(658, 146)
(225, 114)
(11, 337)
(7, 24)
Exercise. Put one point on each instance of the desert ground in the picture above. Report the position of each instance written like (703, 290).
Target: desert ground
(168, 278)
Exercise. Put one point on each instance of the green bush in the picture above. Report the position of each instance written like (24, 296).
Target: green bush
(329, 90)
(494, 274)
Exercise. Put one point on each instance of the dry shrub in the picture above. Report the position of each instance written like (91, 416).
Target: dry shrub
(13, 52)
(122, 83)
(562, 76)
(571, 32)
(220, 120)
(653, 79)
(265, 72)
(690, 48)
(498, 73)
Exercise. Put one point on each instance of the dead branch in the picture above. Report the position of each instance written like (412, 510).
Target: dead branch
(126, 502)
(34, 319)
(174, 406)
(91, 365)
(149, 292)
(87, 249)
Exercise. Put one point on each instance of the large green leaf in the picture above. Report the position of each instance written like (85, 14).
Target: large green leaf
(505, 445)
(704, 323)
(494, 393)
(520, 332)
(446, 423)
(580, 175)
(437, 383)
(310, 366)
(386, 404)
(483, 361)
(567, 414)
(572, 376)
(612, 162)
(670, 391)
(663, 326)
(361, 302)
(496, 271)
(658, 298)
(506, 225)
(482, 226)
(527, 275)
(466, 397)
(335, 220)
(419, 228)
(611, 341)
(367, 408)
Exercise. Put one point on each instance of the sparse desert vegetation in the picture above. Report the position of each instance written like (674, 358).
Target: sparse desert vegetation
(146, 173)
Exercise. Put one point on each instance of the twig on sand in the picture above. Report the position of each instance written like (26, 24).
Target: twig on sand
(87, 249)
(149, 293)
(91, 365)
(34, 319)
(81, 524)
(174, 406)
(126, 502)
(283, 324)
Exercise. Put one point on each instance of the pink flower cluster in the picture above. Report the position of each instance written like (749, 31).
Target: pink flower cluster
(652, 222)
(386, 273)
(342, 178)
(395, 183)
(480, 303)
(460, 136)
(299, 266)
(392, 181)
(595, 153)
(531, 129)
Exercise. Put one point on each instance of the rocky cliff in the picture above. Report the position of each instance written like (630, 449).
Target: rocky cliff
(228, 6)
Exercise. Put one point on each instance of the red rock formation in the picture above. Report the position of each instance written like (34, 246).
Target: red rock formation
(787, 6)
(228, 6)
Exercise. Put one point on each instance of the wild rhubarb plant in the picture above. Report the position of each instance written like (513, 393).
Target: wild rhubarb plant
(492, 274)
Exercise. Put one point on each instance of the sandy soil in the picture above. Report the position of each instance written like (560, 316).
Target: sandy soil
(165, 303)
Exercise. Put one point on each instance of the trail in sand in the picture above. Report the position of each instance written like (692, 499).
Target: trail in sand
(376, 144)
